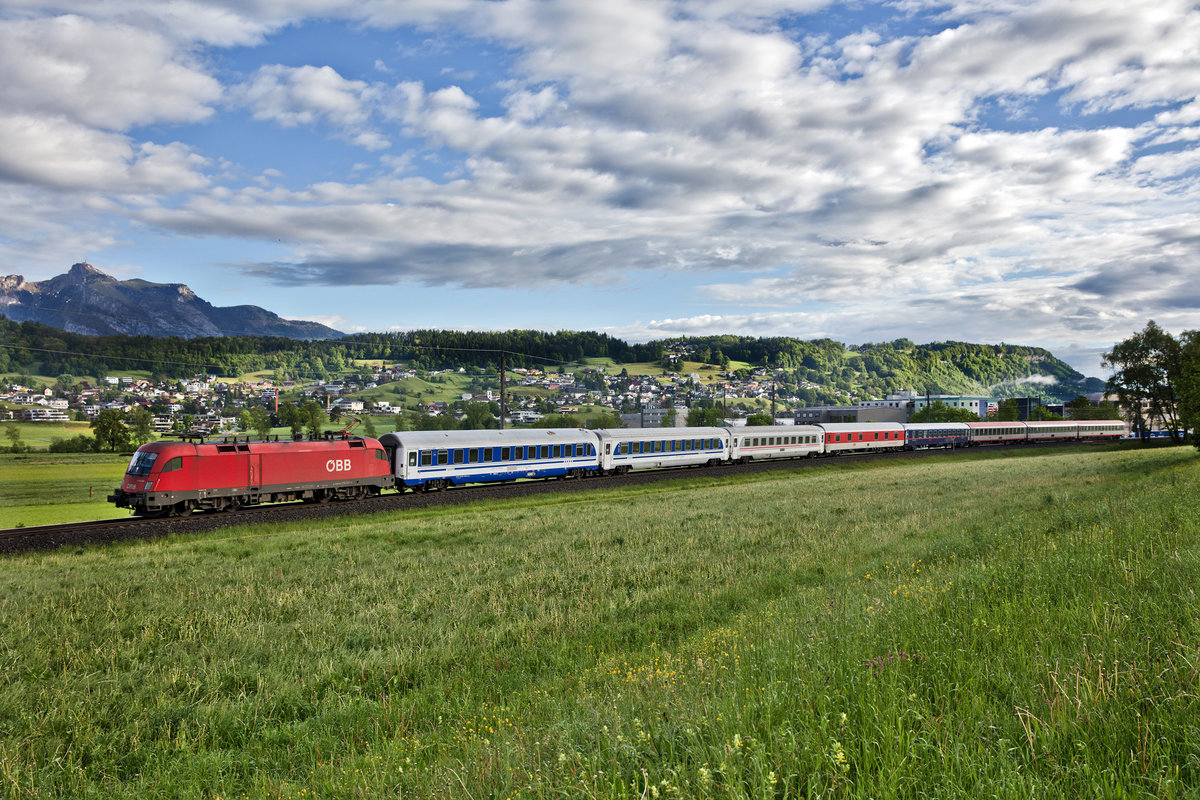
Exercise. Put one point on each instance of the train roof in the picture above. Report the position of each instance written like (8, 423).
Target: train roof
(937, 426)
(995, 424)
(854, 427)
(273, 446)
(634, 434)
(487, 438)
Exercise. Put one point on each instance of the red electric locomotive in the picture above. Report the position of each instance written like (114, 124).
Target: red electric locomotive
(180, 477)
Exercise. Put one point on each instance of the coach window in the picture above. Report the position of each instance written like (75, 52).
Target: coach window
(426, 458)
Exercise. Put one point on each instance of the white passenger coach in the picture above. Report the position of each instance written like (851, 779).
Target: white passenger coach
(787, 441)
(625, 449)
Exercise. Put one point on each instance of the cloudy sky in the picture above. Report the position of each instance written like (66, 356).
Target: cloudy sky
(978, 170)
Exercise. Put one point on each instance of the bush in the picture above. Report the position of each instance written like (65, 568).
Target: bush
(76, 444)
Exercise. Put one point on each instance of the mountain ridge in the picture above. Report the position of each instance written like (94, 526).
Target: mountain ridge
(87, 301)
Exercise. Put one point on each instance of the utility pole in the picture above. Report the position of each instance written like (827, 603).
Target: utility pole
(502, 409)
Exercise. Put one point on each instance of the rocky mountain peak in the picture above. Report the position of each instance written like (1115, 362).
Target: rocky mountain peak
(84, 271)
(88, 301)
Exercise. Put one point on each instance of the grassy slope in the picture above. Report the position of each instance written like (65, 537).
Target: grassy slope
(1015, 625)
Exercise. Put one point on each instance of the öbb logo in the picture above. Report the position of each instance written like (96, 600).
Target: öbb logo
(338, 465)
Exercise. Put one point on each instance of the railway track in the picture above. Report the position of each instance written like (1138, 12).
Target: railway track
(43, 537)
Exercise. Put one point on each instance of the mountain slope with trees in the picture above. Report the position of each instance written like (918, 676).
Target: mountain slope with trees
(819, 371)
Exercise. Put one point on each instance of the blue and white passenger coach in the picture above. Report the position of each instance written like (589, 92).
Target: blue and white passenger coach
(918, 435)
(437, 459)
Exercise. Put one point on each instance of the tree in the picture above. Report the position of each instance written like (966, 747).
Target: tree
(1082, 408)
(1189, 384)
(1007, 411)
(14, 436)
(260, 421)
(477, 416)
(313, 418)
(142, 425)
(289, 415)
(705, 417)
(760, 419)
(110, 429)
(1146, 371)
(937, 411)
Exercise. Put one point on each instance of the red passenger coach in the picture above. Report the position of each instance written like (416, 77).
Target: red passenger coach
(179, 477)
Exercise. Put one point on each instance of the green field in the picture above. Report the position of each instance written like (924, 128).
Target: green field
(44, 488)
(39, 435)
(1014, 625)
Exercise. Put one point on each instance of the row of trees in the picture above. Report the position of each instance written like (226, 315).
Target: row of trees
(1156, 378)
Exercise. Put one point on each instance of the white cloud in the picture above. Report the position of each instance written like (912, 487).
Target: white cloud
(106, 75)
(56, 152)
(962, 169)
(302, 95)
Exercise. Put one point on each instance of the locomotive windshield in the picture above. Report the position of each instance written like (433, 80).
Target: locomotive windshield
(142, 463)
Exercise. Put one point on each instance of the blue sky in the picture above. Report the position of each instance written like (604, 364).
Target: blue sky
(1012, 171)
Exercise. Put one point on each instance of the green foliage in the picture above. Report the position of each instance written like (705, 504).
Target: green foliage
(937, 411)
(759, 419)
(260, 421)
(558, 421)
(477, 416)
(13, 434)
(141, 426)
(1081, 409)
(1188, 386)
(111, 431)
(1147, 369)
(291, 417)
(699, 417)
(313, 417)
(836, 371)
(76, 444)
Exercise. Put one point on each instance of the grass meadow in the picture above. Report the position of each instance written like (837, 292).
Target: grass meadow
(45, 489)
(1012, 625)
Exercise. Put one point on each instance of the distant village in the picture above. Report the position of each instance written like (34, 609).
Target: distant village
(641, 401)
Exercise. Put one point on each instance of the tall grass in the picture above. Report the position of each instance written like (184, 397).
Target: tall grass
(1011, 626)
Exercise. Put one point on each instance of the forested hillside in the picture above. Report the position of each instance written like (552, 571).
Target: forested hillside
(827, 369)
(876, 370)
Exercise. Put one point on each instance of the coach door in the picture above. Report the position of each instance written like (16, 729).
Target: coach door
(255, 469)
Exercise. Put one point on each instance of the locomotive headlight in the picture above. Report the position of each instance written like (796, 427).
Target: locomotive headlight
(149, 485)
